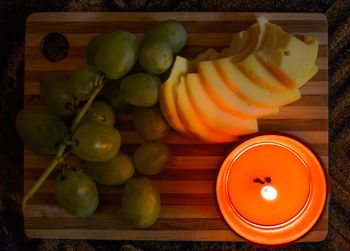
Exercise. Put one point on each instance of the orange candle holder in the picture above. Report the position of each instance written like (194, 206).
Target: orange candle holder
(271, 189)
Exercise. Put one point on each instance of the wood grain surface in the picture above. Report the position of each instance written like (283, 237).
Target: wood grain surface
(189, 208)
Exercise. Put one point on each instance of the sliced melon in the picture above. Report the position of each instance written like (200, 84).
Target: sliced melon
(167, 96)
(225, 98)
(193, 121)
(248, 90)
(213, 116)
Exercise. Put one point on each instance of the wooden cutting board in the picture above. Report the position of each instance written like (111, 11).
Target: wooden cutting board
(189, 208)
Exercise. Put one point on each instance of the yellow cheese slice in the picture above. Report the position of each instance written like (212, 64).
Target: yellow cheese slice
(193, 121)
(239, 41)
(289, 58)
(168, 92)
(225, 98)
(207, 55)
(247, 48)
(310, 74)
(242, 44)
(251, 92)
(262, 23)
(259, 74)
(213, 116)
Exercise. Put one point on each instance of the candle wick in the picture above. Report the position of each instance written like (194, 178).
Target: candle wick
(257, 180)
(268, 179)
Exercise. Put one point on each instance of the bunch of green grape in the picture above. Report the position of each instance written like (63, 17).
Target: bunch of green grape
(72, 123)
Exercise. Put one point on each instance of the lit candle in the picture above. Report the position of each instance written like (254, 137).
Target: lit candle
(287, 176)
(266, 186)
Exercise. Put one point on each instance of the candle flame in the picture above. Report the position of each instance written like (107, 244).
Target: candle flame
(269, 192)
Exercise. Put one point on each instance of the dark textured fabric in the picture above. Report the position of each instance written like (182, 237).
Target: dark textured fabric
(12, 22)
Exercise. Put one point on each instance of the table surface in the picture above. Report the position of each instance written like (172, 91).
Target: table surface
(12, 21)
(187, 186)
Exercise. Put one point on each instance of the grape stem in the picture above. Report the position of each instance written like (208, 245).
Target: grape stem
(44, 175)
(62, 147)
(87, 105)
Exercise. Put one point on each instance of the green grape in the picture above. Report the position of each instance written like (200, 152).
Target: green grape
(115, 171)
(117, 54)
(150, 123)
(112, 94)
(99, 112)
(40, 130)
(83, 81)
(170, 32)
(54, 91)
(155, 57)
(96, 142)
(77, 193)
(92, 46)
(140, 89)
(140, 202)
(151, 158)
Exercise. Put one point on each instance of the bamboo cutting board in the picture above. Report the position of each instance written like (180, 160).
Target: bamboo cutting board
(189, 208)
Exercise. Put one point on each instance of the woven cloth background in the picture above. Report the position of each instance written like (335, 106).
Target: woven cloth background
(12, 22)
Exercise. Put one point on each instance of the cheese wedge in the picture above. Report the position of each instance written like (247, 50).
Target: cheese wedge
(254, 34)
(293, 61)
(239, 42)
(168, 92)
(249, 91)
(207, 55)
(262, 23)
(228, 100)
(259, 74)
(213, 116)
(192, 120)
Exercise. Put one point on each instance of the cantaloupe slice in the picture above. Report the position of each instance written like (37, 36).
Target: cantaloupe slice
(193, 121)
(293, 61)
(248, 90)
(225, 98)
(213, 116)
(168, 93)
